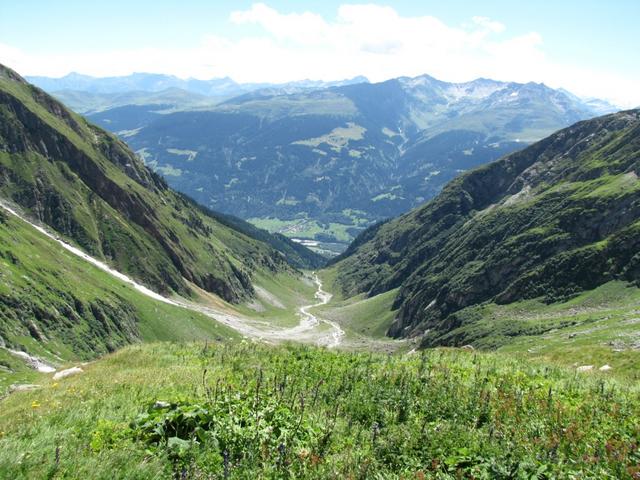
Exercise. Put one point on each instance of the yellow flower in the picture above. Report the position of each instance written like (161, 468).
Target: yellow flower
(35, 404)
(55, 385)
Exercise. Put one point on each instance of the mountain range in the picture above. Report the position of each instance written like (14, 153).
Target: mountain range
(80, 85)
(534, 255)
(323, 164)
(494, 234)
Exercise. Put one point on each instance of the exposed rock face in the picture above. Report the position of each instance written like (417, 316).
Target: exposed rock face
(556, 218)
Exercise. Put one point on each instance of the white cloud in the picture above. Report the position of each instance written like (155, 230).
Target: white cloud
(489, 24)
(371, 40)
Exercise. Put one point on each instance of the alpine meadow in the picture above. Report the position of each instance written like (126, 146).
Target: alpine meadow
(319, 240)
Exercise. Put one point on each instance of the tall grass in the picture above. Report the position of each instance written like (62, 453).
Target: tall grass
(251, 411)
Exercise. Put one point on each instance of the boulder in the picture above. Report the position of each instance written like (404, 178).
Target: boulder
(67, 373)
(25, 387)
(584, 368)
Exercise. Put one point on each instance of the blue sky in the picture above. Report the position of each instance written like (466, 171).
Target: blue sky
(589, 47)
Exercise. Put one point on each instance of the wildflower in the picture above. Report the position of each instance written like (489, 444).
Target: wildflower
(35, 404)
(54, 385)
(303, 453)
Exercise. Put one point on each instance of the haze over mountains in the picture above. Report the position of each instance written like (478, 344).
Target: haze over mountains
(319, 161)
(81, 85)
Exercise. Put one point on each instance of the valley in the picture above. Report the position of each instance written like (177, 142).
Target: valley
(257, 275)
(310, 328)
(321, 163)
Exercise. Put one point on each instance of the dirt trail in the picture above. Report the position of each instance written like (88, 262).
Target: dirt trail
(311, 329)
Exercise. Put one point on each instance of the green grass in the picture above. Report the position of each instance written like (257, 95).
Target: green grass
(77, 310)
(284, 295)
(596, 327)
(366, 317)
(302, 412)
(307, 228)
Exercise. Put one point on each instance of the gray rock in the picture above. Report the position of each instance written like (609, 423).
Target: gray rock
(67, 373)
(24, 387)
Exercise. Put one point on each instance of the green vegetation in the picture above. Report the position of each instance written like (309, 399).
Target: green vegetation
(296, 254)
(58, 307)
(338, 138)
(88, 186)
(278, 299)
(303, 228)
(360, 316)
(385, 196)
(380, 148)
(249, 411)
(546, 223)
(534, 257)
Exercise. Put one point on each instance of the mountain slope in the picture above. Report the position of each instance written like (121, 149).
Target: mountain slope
(88, 102)
(57, 306)
(323, 164)
(86, 184)
(554, 219)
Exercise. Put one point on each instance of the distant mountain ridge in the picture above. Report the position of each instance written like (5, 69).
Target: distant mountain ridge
(155, 82)
(322, 162)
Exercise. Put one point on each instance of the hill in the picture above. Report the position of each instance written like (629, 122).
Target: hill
(57, 307)
(549, 222)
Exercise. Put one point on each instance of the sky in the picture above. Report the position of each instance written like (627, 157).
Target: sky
(589, 47)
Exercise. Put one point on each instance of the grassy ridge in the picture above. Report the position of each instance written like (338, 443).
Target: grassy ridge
(250, 411)
(56, 305)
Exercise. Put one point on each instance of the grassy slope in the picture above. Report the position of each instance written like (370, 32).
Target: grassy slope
(597, 327)
(59, 307)
(313, 413)
(362, 316)
(279, 300)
